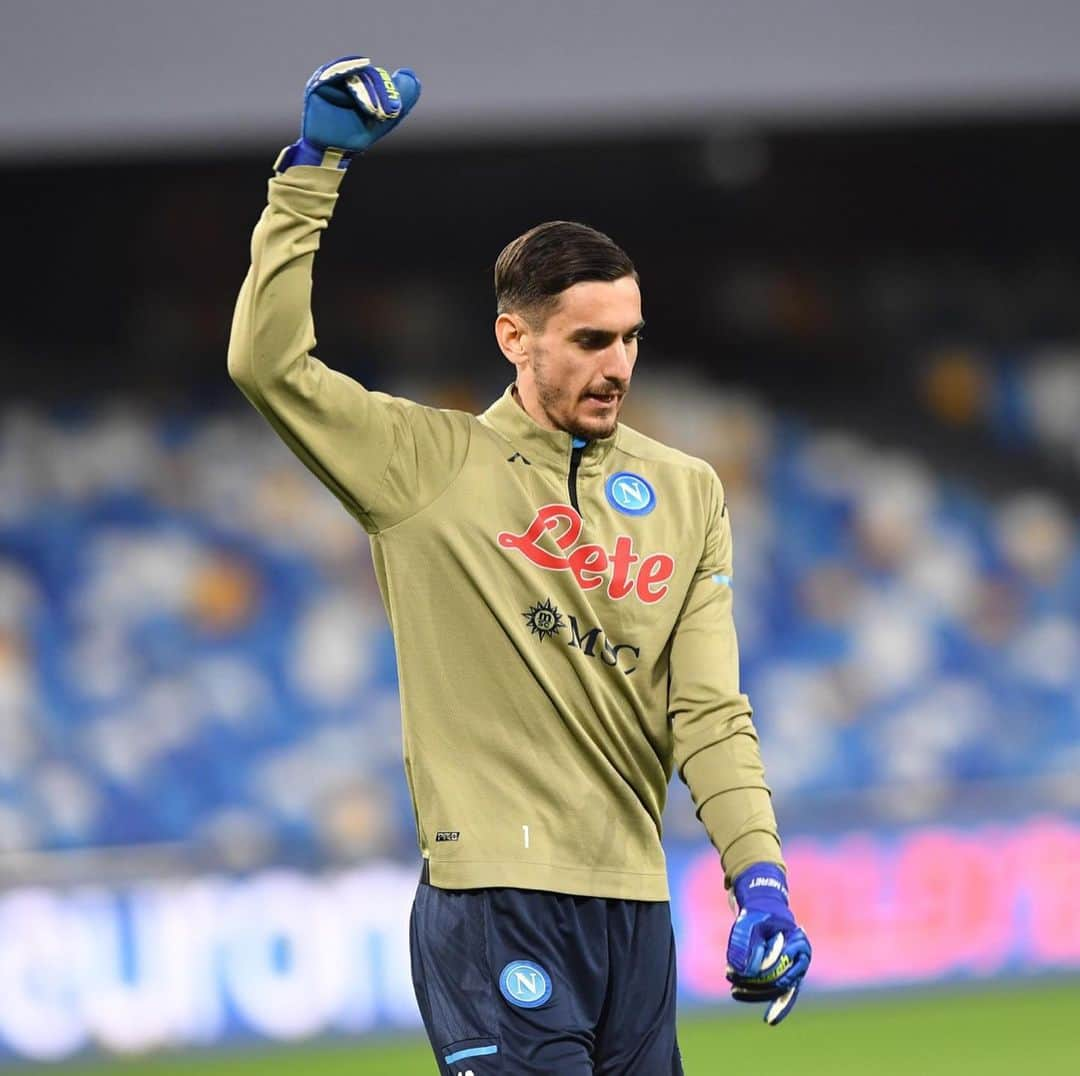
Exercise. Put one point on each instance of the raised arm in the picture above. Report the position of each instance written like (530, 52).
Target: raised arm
(383, 457)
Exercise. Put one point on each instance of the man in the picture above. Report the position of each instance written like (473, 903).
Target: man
(559, 587)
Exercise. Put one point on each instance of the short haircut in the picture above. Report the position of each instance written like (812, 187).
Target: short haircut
(535, 268)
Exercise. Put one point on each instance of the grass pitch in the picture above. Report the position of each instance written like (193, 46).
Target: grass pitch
(988, 1032)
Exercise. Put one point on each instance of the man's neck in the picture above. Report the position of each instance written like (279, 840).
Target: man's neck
(538, 415)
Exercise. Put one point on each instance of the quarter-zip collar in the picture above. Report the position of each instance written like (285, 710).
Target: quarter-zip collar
(507, 417)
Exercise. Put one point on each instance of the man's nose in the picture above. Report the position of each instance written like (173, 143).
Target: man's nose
(617, 365)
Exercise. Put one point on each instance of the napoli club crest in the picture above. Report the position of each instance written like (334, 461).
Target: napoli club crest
(630, 494)
(525, 984)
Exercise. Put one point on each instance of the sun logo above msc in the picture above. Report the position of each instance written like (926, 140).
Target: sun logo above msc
(544, 619)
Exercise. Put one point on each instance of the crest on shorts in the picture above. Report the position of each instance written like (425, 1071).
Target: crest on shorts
(525, 984)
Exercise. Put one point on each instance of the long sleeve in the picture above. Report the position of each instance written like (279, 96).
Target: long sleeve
(385, 458)
(716, 746)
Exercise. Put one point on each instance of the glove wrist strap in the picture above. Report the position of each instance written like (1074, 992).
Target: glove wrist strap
(761, 883)
(304, 152)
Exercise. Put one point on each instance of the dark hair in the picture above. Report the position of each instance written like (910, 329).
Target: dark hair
(533, 269)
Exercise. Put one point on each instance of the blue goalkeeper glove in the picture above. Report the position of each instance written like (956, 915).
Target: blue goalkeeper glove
(767, 953)
(349, 104)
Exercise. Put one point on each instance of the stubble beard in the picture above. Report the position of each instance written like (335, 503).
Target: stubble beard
(562, 411)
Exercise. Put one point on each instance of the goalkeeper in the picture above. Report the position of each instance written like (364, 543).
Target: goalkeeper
(560, 591)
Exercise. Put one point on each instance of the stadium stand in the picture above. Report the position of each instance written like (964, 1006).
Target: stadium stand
(1029, 401)
(193, 651)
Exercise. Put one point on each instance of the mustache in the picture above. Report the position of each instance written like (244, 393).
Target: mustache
(611, 388)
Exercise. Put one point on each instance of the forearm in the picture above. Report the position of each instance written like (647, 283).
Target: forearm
(272, 330)
(727, 782)
(328, 420)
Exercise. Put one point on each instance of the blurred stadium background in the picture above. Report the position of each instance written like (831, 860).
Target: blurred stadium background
(857, 230)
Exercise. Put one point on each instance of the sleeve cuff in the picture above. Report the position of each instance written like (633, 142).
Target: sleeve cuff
(752, 848)
(303, 153)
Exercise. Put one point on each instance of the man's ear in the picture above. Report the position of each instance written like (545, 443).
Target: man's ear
(512, 334)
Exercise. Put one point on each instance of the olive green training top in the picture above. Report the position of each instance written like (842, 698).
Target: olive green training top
(562, 616)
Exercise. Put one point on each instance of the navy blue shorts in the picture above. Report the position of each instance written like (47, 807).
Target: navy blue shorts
(513, 981)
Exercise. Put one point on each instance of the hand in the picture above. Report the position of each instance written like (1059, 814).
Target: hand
(349, 104)
(767, 954)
